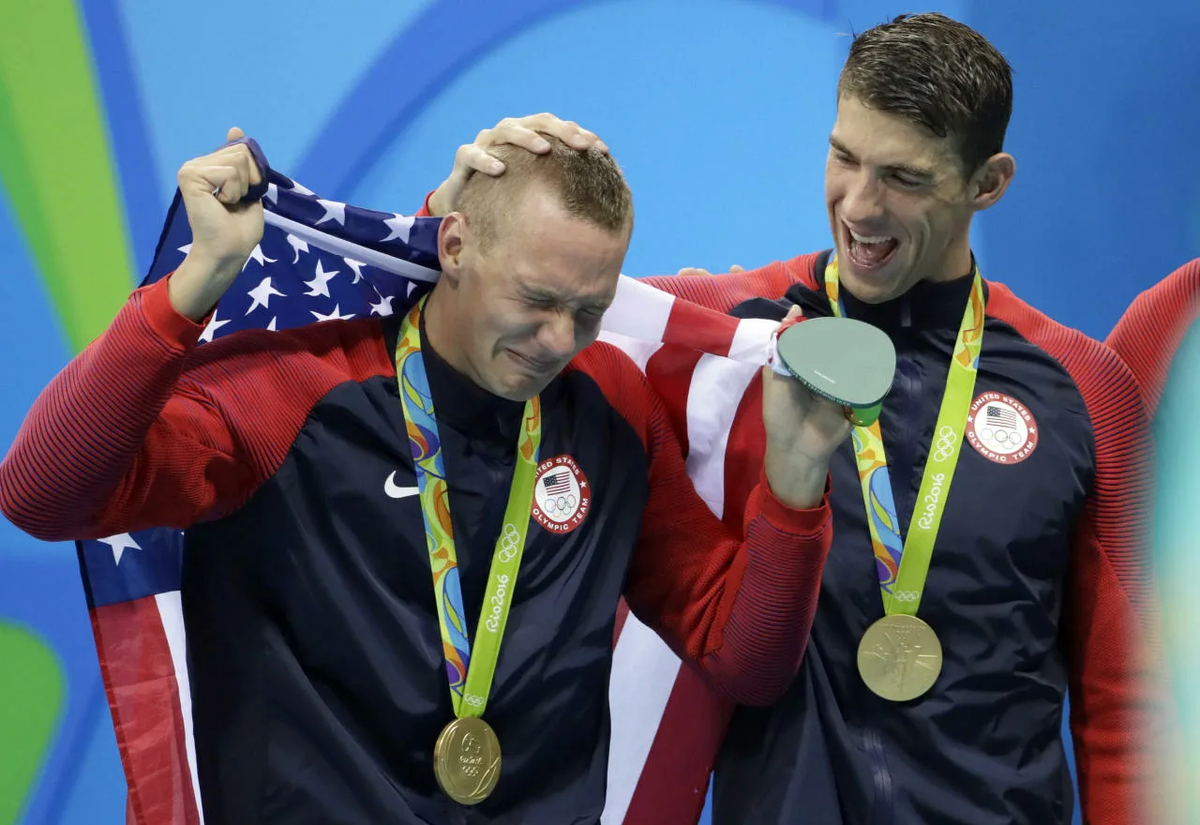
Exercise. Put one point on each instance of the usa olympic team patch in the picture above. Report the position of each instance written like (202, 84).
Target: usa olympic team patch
(1001, 428)
(562, 496)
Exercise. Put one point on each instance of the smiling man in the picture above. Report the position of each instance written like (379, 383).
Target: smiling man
(986, 556)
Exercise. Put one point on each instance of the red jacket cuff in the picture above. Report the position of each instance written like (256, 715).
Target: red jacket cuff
(177, 330)
(789, 519)
(424, 212)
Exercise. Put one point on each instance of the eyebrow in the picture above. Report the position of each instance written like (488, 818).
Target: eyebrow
(911, 171)
(537, 293)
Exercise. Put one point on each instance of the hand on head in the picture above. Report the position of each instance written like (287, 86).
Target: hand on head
(526, 132)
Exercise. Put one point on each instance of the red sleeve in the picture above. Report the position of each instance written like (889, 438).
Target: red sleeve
(144, 428)
(723, 292)
(739, 611)
(1109, 625)
(1151, 330)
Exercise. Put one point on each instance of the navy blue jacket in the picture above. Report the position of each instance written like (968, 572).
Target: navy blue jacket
(1037, 584)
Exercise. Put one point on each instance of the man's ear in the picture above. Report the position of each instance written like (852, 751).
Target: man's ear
(991, 180)
(452, 238)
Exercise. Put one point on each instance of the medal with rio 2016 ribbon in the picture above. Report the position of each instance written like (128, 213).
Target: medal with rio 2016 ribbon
(900, 655)
(466, 756)
(466, 760)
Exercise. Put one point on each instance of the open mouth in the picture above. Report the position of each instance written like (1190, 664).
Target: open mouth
(868, 252)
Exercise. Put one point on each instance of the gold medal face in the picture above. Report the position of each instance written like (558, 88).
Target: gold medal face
(466, 760)
(899, 657)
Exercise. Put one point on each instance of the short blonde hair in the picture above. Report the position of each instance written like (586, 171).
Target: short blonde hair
(588, 182)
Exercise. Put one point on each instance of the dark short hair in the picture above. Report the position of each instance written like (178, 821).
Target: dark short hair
(937, 73)
(589, 183)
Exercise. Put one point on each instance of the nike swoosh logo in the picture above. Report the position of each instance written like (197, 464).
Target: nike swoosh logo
(389, 487)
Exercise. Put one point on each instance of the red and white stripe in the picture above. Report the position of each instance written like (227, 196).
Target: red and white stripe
(142, 652)
(666, 727)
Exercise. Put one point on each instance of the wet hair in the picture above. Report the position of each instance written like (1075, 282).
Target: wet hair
(589, 184)
(937, 73)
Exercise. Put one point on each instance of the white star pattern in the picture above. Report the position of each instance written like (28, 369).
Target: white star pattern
(258, 257)
(400, 226)
(303, 190)
(320, 284)
(337, 271)
(334, 211)
(119, 544)
(357, 267)
(211, 329)
(333, 316)
(262, 294)
(297, 244)
(384, 307)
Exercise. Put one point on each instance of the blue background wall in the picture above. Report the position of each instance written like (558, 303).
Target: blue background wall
(718, 110)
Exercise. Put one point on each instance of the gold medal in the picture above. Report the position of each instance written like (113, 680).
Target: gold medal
(899, 657)
(466, 760)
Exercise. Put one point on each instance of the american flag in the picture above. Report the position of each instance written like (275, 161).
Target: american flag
(557, 484)
(999, 416)
(320, 261)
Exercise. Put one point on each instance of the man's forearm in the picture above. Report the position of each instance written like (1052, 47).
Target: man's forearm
(798, 483)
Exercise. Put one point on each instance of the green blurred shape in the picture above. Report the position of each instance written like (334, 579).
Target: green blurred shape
(57, 172)
(31, 698)
(56, 167)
